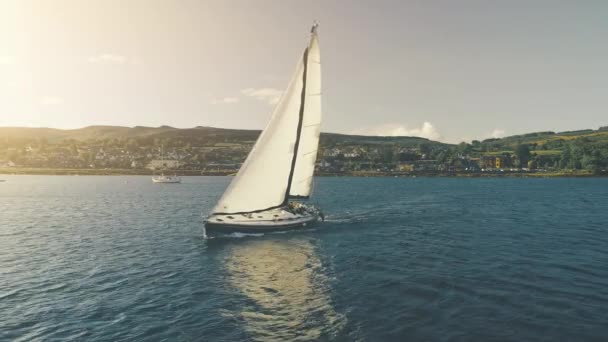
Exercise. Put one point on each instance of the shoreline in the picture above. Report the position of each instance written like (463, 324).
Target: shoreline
(145, 172)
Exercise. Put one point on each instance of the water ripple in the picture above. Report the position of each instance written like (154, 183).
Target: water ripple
(98, 259)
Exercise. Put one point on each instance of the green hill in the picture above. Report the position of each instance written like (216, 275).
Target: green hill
(574, 150)
(550, 139)
(199, 134)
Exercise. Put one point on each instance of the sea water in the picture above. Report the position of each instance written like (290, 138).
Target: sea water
(98, 258)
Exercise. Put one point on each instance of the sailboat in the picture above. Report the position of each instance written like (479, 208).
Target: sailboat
(162, 178)
(268, 192)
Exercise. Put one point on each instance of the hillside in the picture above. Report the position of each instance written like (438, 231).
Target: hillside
(19, 135)
(550, 140)
(547, 139)
(571, 150)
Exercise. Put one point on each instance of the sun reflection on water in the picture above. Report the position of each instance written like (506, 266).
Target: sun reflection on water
(287, 290)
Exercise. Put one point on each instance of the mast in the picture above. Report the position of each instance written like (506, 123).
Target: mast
(299, 129)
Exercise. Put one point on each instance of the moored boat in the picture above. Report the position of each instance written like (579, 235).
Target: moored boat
(166, 179)
(162, 178)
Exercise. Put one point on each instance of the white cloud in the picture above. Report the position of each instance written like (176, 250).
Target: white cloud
(268, 95)
(497, 133)
(427, 130)
(51, 101)
(108, 58)
(7, 60)
(230, 99)
(226, 100)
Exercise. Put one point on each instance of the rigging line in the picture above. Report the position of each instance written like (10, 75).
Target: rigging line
(299, 129)
(313, 125)
(311, 152)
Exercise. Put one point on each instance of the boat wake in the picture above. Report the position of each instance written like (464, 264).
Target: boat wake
(351, 217)
(338, 220)
(237, 235)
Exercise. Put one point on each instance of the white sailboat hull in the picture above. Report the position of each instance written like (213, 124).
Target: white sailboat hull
(166, 179)
(266, 221)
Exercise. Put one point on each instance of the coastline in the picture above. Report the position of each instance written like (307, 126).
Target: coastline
(146, 172)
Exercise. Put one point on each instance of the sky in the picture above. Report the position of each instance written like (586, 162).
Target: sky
(446, 70)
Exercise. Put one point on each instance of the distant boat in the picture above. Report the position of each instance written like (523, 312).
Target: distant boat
(279, 169)
(166, 179)
(162, 178)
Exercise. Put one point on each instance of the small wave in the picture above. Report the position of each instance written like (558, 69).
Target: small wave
(354, 216)
(270, 290)
(9, 294)
(170, 275)
(78, 336)
(55, 287)
(119, 318)
(13, 233)
(108, 285)
(338, 220)
(93, 272)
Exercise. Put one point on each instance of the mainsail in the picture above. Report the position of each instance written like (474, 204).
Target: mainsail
(281, 162)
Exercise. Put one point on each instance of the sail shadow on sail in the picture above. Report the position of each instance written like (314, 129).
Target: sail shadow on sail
(287, 289)
(281, 164)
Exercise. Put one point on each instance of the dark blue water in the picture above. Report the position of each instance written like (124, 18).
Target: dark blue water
(435, 259)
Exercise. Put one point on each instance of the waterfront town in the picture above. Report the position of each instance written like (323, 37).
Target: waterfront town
(337, 155)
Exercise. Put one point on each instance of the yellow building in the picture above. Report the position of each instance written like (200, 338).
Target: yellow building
(491, 162)
(406, 167)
